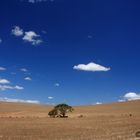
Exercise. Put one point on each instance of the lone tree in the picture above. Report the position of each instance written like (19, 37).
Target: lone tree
(60, 110)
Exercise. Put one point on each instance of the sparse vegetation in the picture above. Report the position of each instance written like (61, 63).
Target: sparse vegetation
(105, 122)
(60, 111)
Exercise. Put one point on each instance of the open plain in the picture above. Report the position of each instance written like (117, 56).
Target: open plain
(116, 121)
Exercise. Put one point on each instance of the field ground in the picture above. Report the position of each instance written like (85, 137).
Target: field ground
(116, 121)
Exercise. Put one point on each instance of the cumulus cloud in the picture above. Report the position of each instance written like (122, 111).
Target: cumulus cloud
(18, 87)
(2, 69)
(90, 67)
(5, 85)
(98, 103)
(28, 36)
(50, 97)
(8, 87)
(19, 100)
(17, 31)
(32, 37)
(23, 70)
(131, 96)
(4, 81)
(28, 78)
(36, 1)
(57, 84)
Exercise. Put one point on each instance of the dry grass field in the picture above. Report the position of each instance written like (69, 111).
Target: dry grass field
(116, 121)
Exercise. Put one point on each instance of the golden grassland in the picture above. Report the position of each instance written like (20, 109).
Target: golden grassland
(116, 121)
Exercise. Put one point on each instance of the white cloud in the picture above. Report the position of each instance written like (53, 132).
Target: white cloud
(131, 96)
(18, 87)
(4, 81)
(28, 36)
(38, 1)
(98, 103)
(121, 100)
(2, 69)
(50, 97)
(91, 67)
(35, 1)
(32, 37)
(17, 31)
(0, 40)
(8, 87)
(19, 100)
(28, 78)
(24, 70)
(57, 84)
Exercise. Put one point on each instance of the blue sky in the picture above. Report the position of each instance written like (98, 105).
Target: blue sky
(73, 51)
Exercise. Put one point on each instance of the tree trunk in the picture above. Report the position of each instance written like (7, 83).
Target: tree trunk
(63, 115)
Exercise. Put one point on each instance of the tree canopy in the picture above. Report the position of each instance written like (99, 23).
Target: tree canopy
(60, 110)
